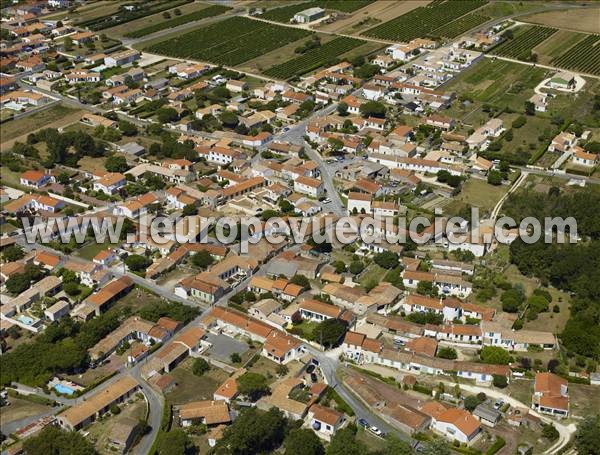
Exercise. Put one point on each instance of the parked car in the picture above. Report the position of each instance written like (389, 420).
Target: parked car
(376, 431)
(363, 423)
(498, 404)
(310, 369)
(313, 377)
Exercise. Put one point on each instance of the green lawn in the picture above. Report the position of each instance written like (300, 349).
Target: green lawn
(92, 249)
(373, 274)
(477, 193)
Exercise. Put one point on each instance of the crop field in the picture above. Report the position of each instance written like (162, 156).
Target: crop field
(229, 42)
(213, 10)
(584, 56)
(285, 13)
(424, 21)
(520, 46)
(123, 16)
(461, 25)
(314, 58)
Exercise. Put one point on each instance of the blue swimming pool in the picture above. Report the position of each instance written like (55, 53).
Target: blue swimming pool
(24, 319)
(61, 388)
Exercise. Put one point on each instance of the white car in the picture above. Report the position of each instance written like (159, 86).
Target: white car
(376, 431)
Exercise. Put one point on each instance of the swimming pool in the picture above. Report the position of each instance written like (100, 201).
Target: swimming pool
(61, 388)
(24, 319)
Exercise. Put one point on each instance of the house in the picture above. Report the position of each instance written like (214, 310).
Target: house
(551, 395)
(35, 179)
(110, 183)
(309, 186)
(563, 142)
(236, 86)
(563, 81)
(282, 348)
(105, 257)
(123, 434)
(58, 310)
(317, 311)
(208, 412)
(309, 15)
(121, 58)
(85, 412)
(95, 120)
(487, 415)
(102, 299)
(456, 425)
(325, 421)
(373, 92)
(137, 207)
(582, 158)
(359, 202)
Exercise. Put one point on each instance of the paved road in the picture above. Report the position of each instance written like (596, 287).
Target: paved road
(336, 205)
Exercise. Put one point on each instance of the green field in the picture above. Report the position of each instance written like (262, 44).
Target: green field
(229, 42)
(424, 20)
(525, 38)
(584, 56)
(211, 11)
(314, 58)
(286, 13)
(461, 25)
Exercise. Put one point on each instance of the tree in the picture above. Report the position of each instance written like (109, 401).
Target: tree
(395, 446)
(229, 119)
(550, 432)
(189, 210)
(329, 332)
(116, 163)
(71, 288)
(235, 358)
(340, 266)
(587, 437)
(471, 402)
(495, 355)
(202, 259)
(345, 443)
(13, 253)
(200, 366)
(167, 115)
(512, 299)
(300, 280)
(436, 447)
(174, 442)
(529, 108)
(137, 262)
(115, 409)
(17, 283)
(427, 288)
(373, 109)
(303, 441)
(253, 385)
(282, 370)
(356, 267)
(447, 353)
(494, 177)
(52, 440)
(127, 128)
(335, 144)
(254, 431)
(386, 259)
(342, 109)
(499, 381)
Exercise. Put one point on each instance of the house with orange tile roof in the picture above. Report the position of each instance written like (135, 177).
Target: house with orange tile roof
(35, 179)
(110, 183)
(551, 395)
(457, 425)
(325, 421)
(105, 257)
(208, 412)
(46, 260)
(102, 299)
(318, 311)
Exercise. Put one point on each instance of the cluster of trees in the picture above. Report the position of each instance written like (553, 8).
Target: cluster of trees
(571, 267)
(444, 176)
(495, 355)
(178, 311)
(67, 148)
(20, 282)
(52, 439)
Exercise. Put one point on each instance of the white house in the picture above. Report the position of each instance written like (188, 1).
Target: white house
(309, 186)
(110, 183)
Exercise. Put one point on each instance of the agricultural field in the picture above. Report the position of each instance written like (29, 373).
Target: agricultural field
(558, 44)
(424, 21)
(461, 25)
(123, 16)
(286, 13)
(314, 58)
(577, 19)
(520, 46)
(211, 11)
(584, 56)
(229, 42)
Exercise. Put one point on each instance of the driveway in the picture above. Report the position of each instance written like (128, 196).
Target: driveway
(223, 346)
